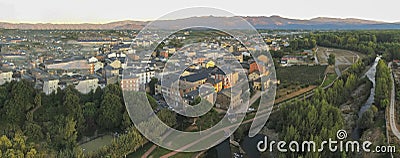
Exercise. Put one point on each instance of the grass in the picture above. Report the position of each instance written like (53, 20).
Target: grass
(97, 143)
(291, 95)
(329, 79)
(345, 57)
(300, 75)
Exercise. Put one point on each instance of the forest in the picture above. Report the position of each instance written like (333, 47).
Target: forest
(39, 125)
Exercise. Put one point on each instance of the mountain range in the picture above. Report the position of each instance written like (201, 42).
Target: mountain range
(259, 22)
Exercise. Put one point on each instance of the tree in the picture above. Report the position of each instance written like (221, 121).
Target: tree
(152, 85)
(126, 121)
(74, 108)
(66, 134)
(16, 147)
(97, 96)
(331, 59)
(208, 120)
(367, 119)
(167, 116)
(110, 112)
(90, 113)
(383, 85)
(33, 131)
(152, 101)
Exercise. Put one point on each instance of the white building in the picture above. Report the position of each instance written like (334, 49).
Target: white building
(93, 60)
(50, 86)
(5, 77)
(144, 76)
(85, 86)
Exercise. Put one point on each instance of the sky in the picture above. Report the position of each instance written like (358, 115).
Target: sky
(99, 11)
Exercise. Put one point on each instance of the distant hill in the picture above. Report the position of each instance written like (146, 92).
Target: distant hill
(259, 22)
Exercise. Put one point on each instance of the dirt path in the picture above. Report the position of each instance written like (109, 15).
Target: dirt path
(294, 94)
(148, 152)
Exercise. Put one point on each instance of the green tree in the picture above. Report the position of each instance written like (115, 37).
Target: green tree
(167, 116)
(331, 59)
(110, 112)
(152, 85)
(367, 119)
(74, 108)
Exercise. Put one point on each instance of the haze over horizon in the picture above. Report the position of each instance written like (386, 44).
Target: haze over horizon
(91, 11)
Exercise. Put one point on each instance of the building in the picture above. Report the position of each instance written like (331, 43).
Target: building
(69, 65)
(110, 71)
(197, 79)
(206, 94)
(164, 54)
(253, 67)
(186, 87)
(210, 64)
(93, 60)
(238, 56)
(86, 85)
(229, 98)
(116, 64)
(254, 75)
(130, 83)
(217, 84)
(50, 86)
(165, 89)
(228, 78)
(5, 77)
(289, 59)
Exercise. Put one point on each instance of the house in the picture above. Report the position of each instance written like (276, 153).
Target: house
(5, 77)
(93, 60)
(238, 56)
(254, 75)
(217, 84)
(253, 67)
(258, 85)
(198, 78)
(116, 64)
(207, 94)
(110, 71)
(228, 77)
(164, 54)
(186, 87)
(50, 86)
(165, 89)
(274, 47)
(289, 59)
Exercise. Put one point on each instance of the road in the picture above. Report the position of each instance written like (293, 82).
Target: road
(315, 56)
(252, 100)
(391, 109)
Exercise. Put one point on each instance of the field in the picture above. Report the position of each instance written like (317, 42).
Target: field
(300, 75)
(296, 80)
(343, 57)
(97, 143)
(293, 94)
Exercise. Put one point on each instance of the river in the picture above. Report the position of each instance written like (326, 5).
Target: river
(370, 74)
